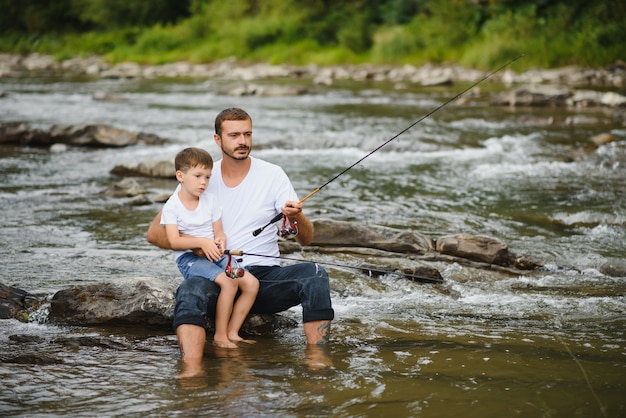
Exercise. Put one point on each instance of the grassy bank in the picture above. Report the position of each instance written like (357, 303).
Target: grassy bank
(473, 33)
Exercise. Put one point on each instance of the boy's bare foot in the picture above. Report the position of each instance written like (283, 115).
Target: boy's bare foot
(235, 338)
(225, 344)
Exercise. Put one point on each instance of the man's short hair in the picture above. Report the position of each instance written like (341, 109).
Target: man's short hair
(233, 113)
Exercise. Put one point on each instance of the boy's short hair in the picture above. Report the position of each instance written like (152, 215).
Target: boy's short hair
(192, 157)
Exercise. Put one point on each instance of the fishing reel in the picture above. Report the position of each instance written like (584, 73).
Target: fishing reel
(288, 229)
(236, 271)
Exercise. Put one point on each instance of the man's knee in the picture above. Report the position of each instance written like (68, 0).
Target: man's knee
(195, 299)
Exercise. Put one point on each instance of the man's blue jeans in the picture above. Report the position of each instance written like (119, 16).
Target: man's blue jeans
(280, 288)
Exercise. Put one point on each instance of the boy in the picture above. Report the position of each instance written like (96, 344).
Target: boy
(192, 220)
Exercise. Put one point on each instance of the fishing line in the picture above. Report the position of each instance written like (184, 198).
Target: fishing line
(317, 189)
(580, 366)
(370, 271)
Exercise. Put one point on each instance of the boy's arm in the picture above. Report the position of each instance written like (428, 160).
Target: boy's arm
(207, 246)
(156, 234)
(218, 233)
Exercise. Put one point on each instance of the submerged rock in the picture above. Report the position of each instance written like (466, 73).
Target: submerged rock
(16, 303)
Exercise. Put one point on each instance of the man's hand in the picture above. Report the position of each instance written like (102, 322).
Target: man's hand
(292, 209)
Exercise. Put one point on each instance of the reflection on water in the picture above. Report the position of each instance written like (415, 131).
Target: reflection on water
(484, 343)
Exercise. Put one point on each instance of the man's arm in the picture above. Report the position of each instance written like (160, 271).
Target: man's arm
(156, 234)
(293, 211)
(306, 231)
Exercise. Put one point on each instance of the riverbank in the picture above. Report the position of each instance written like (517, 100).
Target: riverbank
(610, 78)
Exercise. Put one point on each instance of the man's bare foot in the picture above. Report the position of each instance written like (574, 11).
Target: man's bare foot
(316, 357)
(191, 368)
(225, 344)
(237, 339)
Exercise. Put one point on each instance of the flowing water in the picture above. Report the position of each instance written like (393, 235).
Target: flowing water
(550, 343)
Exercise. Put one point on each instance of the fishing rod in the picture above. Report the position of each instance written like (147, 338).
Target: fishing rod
(434, 277)
(280, 215)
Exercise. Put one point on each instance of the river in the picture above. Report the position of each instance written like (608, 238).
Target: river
(550, 343)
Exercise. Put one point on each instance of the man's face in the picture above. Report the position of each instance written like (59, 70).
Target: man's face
(236, 138)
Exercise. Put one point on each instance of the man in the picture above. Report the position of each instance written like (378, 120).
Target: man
(251, 192)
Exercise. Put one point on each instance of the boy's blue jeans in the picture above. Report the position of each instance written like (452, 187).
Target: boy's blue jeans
(280, 288)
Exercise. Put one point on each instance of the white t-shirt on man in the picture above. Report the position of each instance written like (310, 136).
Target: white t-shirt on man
(249, 206)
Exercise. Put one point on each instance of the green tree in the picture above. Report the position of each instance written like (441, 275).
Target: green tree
(105, 14)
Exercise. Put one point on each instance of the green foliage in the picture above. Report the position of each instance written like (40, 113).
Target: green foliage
(398, 12)
(37, 16)
(478, 33)
(104, 14)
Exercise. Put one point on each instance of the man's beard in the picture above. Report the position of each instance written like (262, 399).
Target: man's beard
(232, 154)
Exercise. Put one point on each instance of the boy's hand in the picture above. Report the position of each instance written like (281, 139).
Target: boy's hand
(210, 250)
(220, 244)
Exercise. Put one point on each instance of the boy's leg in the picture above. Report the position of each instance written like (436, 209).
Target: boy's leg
(228, 291)
(249, 287)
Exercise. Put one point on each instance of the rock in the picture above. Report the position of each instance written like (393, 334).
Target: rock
(38, 62)
(441, 80)
(611, 76)
(613, 99)
(140, 200)
(20, 134)
(98, 135)
(534, 96)
(124, 70)
(139, 300)
(527, 263)
(58, 148)
(125, 188)
(332, 233)
(613, 271)
(267, 91)
(153, 168)
(585, 98)
(102, 96)
(581, 120)
(476, 247)
(428, 274)
(161, 198)
(38, 359)
(602, 139)
(422, 274)
(16, 303)
(93, 136)
(92, 341)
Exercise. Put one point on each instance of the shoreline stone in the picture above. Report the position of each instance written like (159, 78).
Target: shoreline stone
(609, 77)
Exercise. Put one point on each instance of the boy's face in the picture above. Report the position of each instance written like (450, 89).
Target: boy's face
(195, 180)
